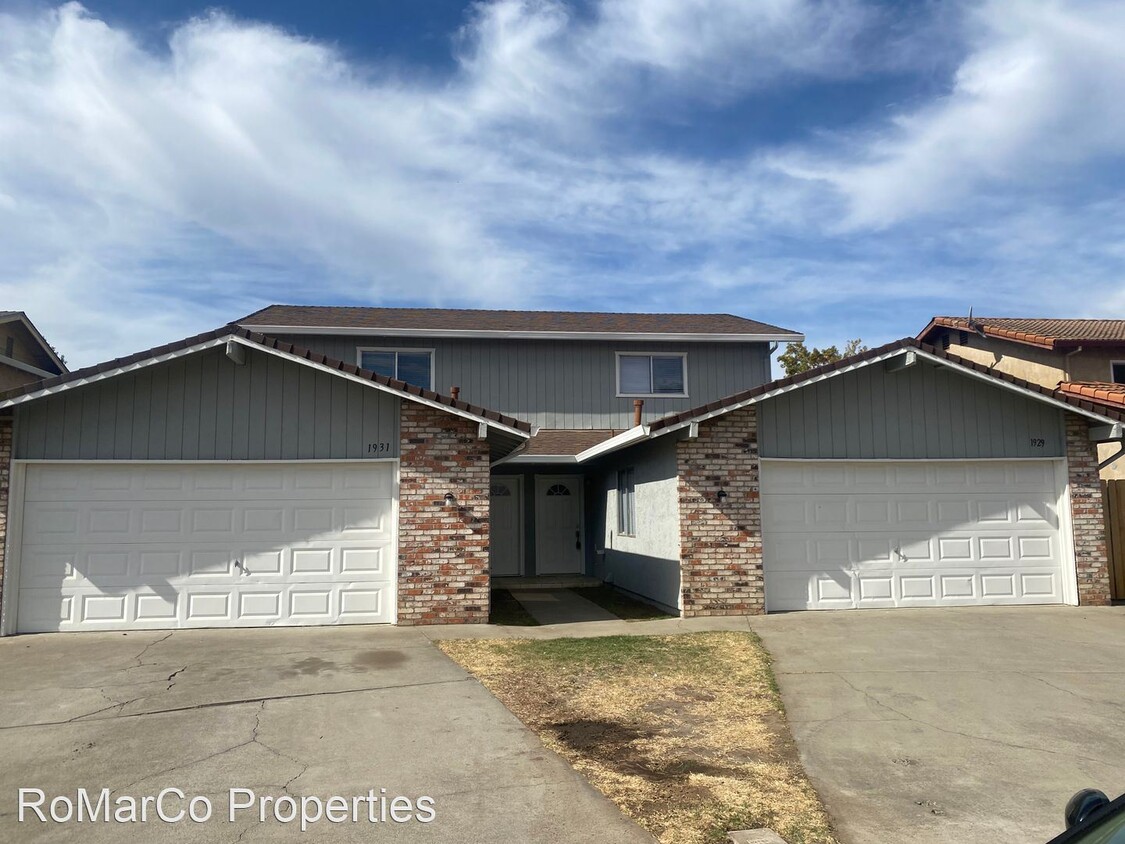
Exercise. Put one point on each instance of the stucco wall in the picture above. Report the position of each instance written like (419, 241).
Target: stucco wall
(1042, 366)
(648, 562)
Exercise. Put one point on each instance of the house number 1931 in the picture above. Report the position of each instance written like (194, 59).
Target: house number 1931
(378, 448)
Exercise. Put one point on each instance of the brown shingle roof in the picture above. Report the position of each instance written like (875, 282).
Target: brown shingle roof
(1078, 401)
(1100, 391)
(561, 442)
(1046, 333)
(442, 319)
(397, 386)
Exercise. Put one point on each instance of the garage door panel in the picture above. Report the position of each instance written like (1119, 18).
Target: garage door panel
(170, 482)
(961, 533)
(89, 565)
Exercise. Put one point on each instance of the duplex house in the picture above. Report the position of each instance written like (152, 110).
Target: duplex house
(360, 465)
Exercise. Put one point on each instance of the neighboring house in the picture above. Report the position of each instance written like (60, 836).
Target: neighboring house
(24, 355)
(278, 472)
(1044, 351)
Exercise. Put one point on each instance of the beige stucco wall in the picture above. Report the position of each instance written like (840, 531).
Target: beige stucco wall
(1042, 366)
(1116, 469)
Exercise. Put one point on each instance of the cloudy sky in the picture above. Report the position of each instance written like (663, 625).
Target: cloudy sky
(841, 167)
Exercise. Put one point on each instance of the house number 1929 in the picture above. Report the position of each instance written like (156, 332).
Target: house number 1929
(1038, 442)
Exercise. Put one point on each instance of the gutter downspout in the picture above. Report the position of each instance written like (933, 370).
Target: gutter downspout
(1066, 362)
(1112, 458)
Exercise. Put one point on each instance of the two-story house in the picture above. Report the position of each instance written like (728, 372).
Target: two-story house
(363, 465)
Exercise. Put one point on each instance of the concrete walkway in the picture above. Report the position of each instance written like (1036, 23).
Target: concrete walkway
(560, 606)
(588, 629)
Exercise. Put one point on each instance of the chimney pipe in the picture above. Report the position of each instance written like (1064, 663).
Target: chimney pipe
(455, 392)
(638, 407)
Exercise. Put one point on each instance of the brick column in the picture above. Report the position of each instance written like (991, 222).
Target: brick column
(1087, 515)
(442, 548)
(721, 541)
(5, 486)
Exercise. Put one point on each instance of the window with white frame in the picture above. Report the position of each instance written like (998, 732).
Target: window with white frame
(643, 374)
(626, 503)
(414, 366)
(1117, 371)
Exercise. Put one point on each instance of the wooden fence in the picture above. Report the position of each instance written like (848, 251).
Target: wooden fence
(1113, 493)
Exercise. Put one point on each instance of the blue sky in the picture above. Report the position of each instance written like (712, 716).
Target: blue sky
(839, 167)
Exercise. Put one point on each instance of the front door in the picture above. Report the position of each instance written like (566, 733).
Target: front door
(506, 529)
(558, 524)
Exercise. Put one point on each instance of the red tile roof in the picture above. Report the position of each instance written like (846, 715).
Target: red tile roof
(406, 390)
(1045, 333)
(442, 319)
(1101, 391)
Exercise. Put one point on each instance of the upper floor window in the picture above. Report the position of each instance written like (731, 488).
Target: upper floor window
(643, 374)
(414, 366)
(1117, 371)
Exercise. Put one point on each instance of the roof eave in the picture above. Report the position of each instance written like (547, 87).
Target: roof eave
(489, 334)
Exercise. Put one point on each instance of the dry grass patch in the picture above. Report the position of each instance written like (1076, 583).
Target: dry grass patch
(685, 733)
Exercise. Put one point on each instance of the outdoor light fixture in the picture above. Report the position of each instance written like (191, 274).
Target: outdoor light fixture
(722, 494)
(450, 500)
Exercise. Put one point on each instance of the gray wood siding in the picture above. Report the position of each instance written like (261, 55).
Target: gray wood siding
(204, 407)
(924, 411)
(563, 384)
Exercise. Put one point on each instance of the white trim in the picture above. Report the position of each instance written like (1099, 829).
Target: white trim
(650, 355)
(470, 334)
(1112, 364)
(9, 603)
(1066, 532)
(25, 367)
(573, 480)
(359, 350)
(522, 528)
(613, 443)
(630, 497)
(250, 344)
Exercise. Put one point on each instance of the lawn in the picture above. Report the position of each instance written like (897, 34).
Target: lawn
(685, 733)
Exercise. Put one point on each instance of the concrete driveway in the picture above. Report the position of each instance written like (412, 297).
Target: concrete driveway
(304, 712)
(967, 725)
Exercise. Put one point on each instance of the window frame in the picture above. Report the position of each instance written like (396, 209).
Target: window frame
(1112, 364)
(627, 501)
(650, 355)
(417, 350)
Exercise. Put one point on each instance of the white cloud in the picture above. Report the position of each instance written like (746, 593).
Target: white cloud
(1039, 92)
(146, 194)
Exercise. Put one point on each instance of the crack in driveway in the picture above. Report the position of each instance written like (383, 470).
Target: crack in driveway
(88, 717)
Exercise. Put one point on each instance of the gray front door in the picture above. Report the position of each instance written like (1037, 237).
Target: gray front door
(506, 528)
(558, 524)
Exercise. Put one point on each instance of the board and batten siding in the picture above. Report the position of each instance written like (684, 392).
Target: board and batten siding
(562, 383)
(205, 407)
(924, 411)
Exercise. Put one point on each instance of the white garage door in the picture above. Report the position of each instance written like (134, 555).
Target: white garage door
(126, 546)
(841, 534)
